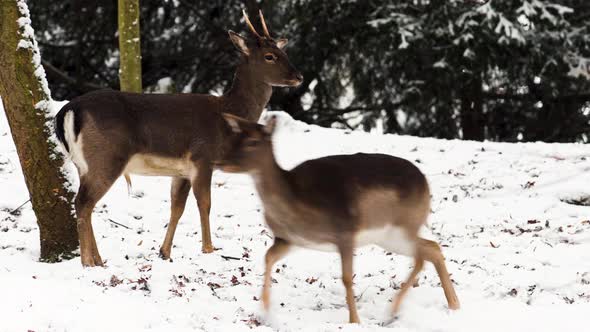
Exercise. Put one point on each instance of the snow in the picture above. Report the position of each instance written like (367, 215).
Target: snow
(28, 41)
(48, 106)
(530, 10)
(520, 256)
(163, 85)
(508, 29)
(579, 66)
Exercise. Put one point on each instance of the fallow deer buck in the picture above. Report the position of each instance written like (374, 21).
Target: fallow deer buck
(338, 203)
(111, 133)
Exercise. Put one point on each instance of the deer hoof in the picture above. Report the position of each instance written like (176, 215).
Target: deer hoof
(98, 261)
(88, 262)
(265, 302)
(454, 306)
(164, 254)
(354, 320)
(91, 262)
(390, 321)
(207, 249)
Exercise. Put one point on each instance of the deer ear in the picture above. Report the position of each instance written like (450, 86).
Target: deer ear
(281, 43)
(270, 126)
(233, 122)
(239, 42)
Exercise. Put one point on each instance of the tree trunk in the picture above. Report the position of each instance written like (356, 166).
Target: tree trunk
(129, 46)
(25, 96)
(472, 123)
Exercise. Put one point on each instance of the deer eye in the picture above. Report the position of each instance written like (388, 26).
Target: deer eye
(269, 57)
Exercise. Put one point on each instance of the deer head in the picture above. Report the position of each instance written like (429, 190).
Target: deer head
(251, 143)
(266, 57)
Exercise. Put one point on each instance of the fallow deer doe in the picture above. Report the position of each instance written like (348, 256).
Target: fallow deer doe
(338, 203)
(110, 133)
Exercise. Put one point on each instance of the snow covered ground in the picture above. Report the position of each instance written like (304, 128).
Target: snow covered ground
(519, 255)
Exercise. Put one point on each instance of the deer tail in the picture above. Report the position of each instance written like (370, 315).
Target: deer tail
(128, 180)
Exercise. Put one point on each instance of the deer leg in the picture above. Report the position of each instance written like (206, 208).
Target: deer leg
(202, 191)
(91, 190)
(95, 253)
(431, 252)
(178, 196)
(346, 252)
(277, 251)
(418, 265)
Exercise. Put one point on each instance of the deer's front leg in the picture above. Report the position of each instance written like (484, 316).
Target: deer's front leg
(346, 251)
(202, 190)
(277, 251)
(418, 265)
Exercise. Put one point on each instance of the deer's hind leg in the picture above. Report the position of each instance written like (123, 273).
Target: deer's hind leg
(427, 250)
(178, 196)
(93, 186)
(431, 252)
(403, 241)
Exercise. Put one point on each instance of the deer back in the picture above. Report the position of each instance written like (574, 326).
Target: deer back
(362, 191)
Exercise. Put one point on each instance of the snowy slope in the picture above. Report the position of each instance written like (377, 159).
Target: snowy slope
(520, 256)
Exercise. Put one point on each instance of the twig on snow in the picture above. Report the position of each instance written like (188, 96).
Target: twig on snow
(14, 212)
(116, 223)
(230, 257)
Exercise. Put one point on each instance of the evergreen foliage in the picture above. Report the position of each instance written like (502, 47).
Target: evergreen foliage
(498, 70)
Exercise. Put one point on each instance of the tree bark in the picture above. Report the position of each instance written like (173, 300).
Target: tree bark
(26, 99)
(129, 46)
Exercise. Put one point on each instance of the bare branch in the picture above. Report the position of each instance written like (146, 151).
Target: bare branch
(64, 77)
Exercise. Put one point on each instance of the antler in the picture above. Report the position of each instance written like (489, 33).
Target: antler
(264, 25)
(250, 24)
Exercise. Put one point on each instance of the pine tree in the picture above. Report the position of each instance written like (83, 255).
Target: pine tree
(500, 70)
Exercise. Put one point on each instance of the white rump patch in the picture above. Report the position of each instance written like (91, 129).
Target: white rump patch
(76, 153)
(391, 238)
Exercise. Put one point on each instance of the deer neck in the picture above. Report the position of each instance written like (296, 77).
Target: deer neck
(271, 182)
(248, 95)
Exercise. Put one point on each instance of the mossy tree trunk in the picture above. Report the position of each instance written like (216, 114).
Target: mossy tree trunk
(129, 46)
(25, 96)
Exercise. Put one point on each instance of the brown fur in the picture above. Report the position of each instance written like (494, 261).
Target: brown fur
(335, 201)
(177, 135)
